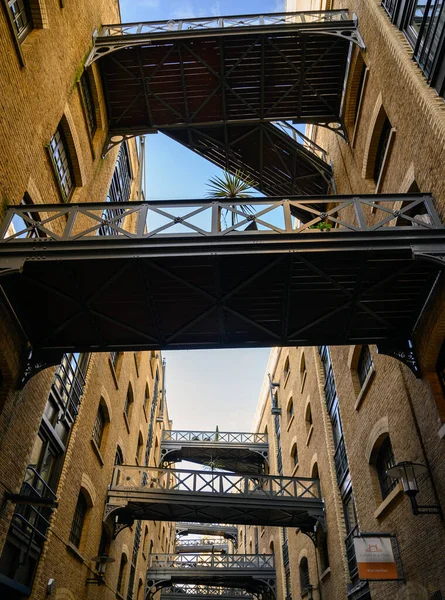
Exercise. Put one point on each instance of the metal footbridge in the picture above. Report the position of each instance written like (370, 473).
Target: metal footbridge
(231, 451)
(157, 494)
(220, 85)
(253, 573)
(207, 274)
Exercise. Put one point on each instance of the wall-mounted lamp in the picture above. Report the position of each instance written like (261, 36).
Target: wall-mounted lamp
(408, 472)
(101, 567)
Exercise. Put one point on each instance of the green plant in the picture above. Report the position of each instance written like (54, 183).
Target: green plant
(322, 226)
(237, 185)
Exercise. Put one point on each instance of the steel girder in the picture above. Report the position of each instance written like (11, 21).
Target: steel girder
(206, 529)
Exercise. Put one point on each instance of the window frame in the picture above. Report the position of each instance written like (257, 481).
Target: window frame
(102, 423)
(67, 173)
(383, 461)
(88, 105)
(78, 522)
(365, 365)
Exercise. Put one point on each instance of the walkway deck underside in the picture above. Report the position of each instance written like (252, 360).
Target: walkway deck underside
(214, 529)
(253, 283)
(294, 72)
(241, 459)
(276, 163)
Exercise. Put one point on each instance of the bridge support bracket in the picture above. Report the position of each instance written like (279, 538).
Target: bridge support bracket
(39, 361)
(402, 350)
(434, 253)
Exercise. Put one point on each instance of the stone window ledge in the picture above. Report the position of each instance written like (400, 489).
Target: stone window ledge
(389, 502)
(113, 372)
(295, 469)
(75, 551)
(441, 432)
(325, 573)
(365, 387)
(127, 423)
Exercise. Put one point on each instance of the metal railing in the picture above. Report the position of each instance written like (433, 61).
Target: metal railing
(173, 26)
(299, 137)
(212, 561)
(219, 218)
(31, 519)
(223, 437)
(216, 541)
(205, 590)
(134, 478)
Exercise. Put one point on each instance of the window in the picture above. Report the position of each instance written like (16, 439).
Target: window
(114, 358)
(122, 575)
(440, 368)
(139, 450)
(290, 409)
(364, 365)
(21, 225)
(88, 103)
(381, 149)
(322, 546)
(385, 460)
(302, 371)
(78, 520)
(308, 417)
(99, 426)
(63, 167)
(304, 574)
(146, 397)
(129, 399)
(119, 457)
(294, 455)
(21, 17)
(286, 369)
(119, 191)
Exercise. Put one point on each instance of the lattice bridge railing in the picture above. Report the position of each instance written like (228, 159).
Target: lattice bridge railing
(212, 437)
(212, 561)
(134, 478)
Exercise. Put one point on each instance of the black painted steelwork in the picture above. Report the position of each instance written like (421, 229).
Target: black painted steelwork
(179, 495)
(232, 451)
(201, 545)
(217, 85)
(213, 529)
(254, 573)
(204, 274)
(203, 592)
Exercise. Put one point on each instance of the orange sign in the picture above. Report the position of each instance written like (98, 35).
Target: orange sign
(375, 558)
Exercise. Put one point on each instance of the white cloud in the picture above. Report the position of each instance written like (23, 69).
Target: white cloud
(280, 6)
(184, 9)
(146, 3)
(215, 11)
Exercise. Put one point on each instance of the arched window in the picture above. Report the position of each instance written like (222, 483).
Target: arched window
(294, 455)
(140, 595)
(140, 449)
(146, 397)
(290, 409)
(129, 400)
(86, 92)
(145, 544)
(78, 520)
(122, 575)
(100, 424)
(384, 460)
(308, 417)
(322, 547)
(286, 369)
(119, 456)
(304, 574)
(364, 365)
(302, 371)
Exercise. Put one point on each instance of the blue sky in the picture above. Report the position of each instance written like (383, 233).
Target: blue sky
(216, 387)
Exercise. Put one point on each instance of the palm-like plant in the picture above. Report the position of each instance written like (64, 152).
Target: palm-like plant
(237, 185)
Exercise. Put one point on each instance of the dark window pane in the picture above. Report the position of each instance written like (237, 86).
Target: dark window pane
(385, 460)
(21, 17)
(78, 520)
(62, 164)
(381, 149)
(88, 102)
(119, 191)
(364, 364)
(99, 426)
(304, 574)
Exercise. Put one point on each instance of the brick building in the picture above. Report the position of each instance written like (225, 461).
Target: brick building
(348, 413)
(63, 432)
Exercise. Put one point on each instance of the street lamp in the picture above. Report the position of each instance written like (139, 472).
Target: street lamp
(101, 566)
(408, 472)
